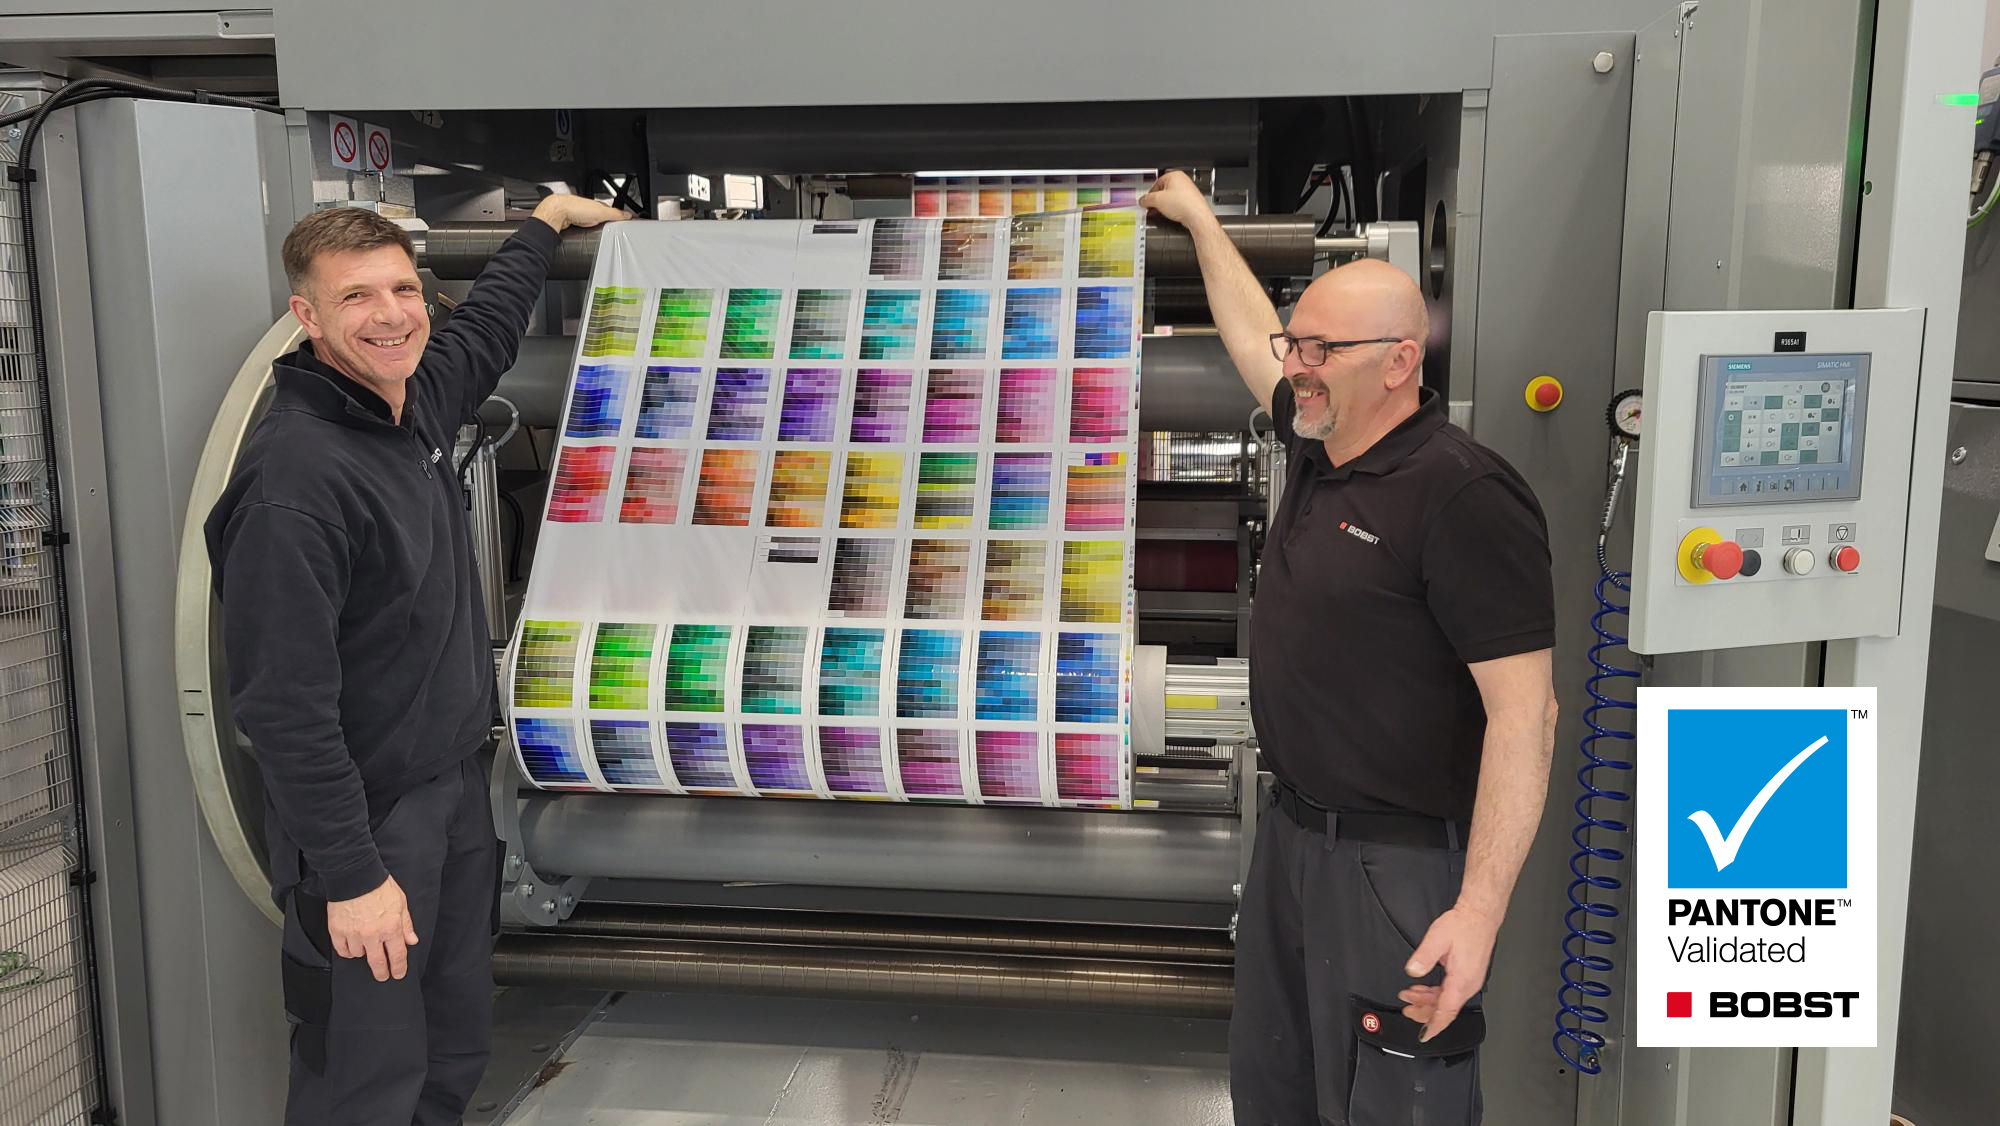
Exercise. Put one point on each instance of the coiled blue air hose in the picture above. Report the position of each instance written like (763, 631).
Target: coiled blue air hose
(1608, 720)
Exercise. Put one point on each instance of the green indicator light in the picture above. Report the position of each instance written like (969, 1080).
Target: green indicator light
(1958, 99)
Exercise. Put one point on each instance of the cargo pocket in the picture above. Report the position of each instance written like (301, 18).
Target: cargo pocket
(1400, 1082)
(307, 976)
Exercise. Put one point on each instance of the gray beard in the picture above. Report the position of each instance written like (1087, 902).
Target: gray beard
(1315, 431)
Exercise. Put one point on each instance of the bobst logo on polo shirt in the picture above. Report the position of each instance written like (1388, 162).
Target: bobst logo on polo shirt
(1755, 916)
(1366, 537)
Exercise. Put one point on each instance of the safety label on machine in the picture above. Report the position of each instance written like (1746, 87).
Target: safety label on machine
(844, 510)
(1756, 904)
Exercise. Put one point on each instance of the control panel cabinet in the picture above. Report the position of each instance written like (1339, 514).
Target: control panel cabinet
(1774, 479)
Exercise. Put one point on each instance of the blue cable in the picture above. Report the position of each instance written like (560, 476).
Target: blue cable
(1609, 720)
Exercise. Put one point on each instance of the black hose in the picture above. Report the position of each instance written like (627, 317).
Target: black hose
(520, 534)
(478, 440)
(22, 174)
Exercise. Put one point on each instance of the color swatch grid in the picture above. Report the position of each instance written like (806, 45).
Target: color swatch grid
(614, 321)
(680, 330)
(594, 402)
(936, 197)
(857, 521)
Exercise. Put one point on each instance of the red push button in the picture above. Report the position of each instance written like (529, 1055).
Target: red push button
(1845, 559)
(1544, 393)
(1724, 560)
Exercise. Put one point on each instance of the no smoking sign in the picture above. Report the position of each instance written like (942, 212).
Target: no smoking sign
(359, 148)
(344, 141)
(375, 140)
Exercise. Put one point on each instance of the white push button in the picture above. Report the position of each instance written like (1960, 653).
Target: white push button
(1800, 561)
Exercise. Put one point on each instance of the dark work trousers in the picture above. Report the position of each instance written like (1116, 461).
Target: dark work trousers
(397, 1053)
(1326, 927)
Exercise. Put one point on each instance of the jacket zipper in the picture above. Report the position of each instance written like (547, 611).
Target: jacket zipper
(423, 458)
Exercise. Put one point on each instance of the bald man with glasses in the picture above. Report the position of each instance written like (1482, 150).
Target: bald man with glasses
(1399, 682)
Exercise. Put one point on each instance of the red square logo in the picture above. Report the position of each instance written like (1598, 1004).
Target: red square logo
(1680, 1004)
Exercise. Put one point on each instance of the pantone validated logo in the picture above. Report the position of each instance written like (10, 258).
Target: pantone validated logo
(1755, 900)
(1757, 798)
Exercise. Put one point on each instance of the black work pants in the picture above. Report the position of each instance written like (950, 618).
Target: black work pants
(1325, 929)
(408, 1052)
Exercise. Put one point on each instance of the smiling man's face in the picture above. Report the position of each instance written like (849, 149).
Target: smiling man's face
(364, 310)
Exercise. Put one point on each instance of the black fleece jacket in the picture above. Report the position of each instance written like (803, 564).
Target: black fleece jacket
(359, 660)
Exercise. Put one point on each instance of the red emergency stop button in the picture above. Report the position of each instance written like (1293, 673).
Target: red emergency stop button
(1543, 393)
(1845, 559)
(1724, 560)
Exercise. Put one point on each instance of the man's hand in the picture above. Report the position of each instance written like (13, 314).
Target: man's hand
(375, 926)
(1175, 197)
(560, 211)
(1462, 939)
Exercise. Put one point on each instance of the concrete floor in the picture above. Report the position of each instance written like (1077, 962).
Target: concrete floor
(676, 1060)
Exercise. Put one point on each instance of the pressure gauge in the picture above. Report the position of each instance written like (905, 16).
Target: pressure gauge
(1624, 414)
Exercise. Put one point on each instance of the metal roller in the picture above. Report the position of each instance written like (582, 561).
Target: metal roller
(1168, 989)
(1157, 856)
(899, 932)
(1274, 245)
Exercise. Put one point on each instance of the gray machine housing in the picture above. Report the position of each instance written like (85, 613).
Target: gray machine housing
(1544, 154)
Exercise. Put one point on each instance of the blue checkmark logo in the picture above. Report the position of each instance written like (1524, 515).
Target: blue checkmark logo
(1757, 798)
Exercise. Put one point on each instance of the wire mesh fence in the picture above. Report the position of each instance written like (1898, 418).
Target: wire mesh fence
(48, 1062)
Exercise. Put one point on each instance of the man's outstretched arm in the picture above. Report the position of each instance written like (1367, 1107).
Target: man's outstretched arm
(1243, 312)
(467, 357)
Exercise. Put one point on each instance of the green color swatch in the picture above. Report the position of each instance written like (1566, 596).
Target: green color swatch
(681, 330)
(612, 328)
(774, 670)
(697, 664)
(620, 663)
(545, 669)
(819, 324)
(750, 324)
(945, 490)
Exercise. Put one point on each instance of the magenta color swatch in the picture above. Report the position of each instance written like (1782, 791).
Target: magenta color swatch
(1087, 767)
(951, 405)
(1009, 767)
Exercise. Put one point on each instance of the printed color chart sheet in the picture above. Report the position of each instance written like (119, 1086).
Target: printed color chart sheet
(844, 510)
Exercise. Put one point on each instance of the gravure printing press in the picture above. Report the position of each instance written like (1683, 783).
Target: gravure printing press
(1550, 178)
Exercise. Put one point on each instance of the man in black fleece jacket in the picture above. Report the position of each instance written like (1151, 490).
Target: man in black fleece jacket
(360, 666)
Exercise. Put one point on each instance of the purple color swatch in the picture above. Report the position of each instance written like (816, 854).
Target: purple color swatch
(852, 759)
(736, 414)
(776, 756)
(811, 396)
(881, 405)
(700, 756)
(928, 762)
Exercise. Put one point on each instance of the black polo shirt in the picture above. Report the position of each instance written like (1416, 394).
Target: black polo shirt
(1381, 580)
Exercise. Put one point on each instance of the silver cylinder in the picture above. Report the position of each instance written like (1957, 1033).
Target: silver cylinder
(542, 959)
(1165, 857)
(482, 500)
(1273, 245)
(1189, 384)
(901, 932)
(1186, 383)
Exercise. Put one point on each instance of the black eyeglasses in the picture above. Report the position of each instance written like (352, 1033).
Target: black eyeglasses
(1313, 351)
